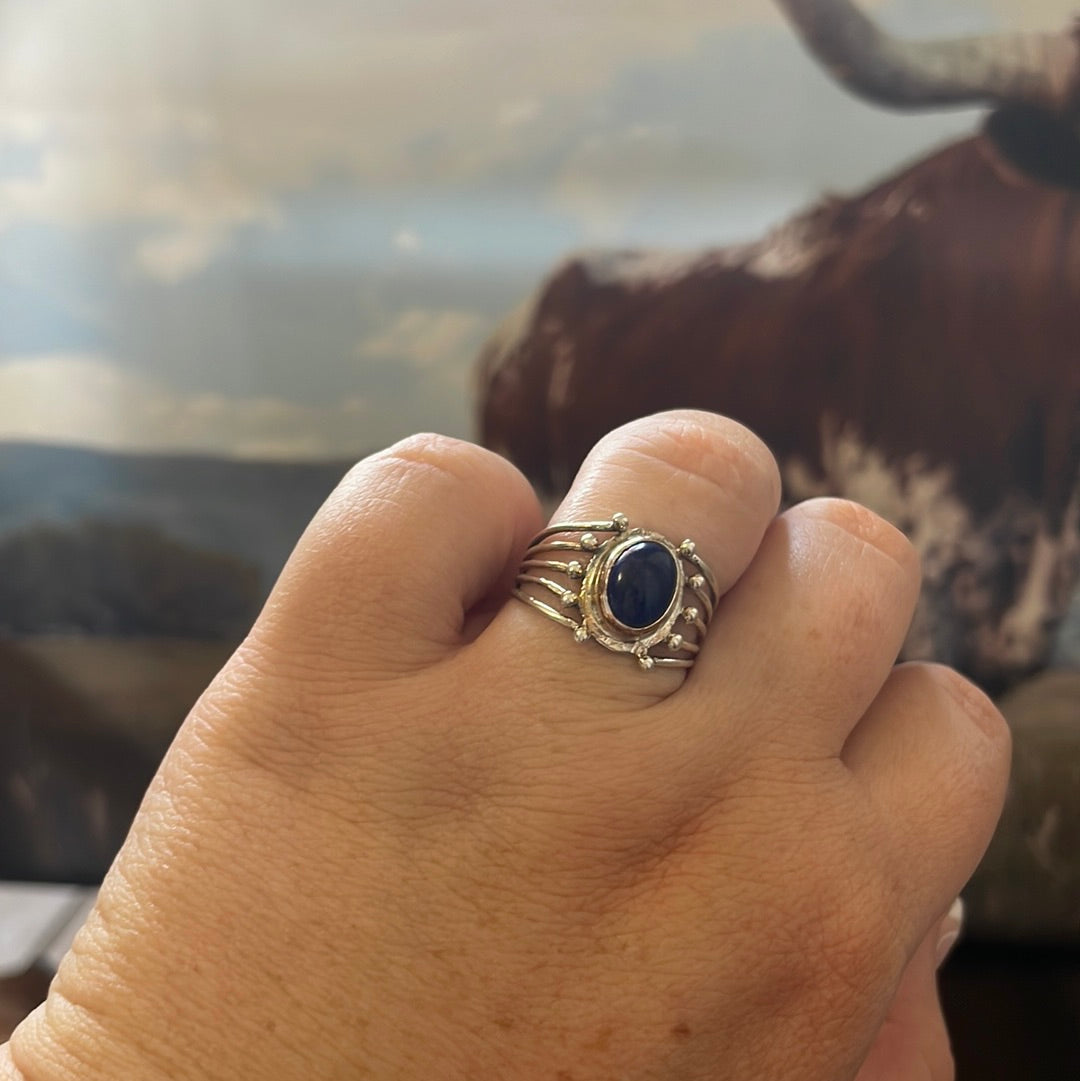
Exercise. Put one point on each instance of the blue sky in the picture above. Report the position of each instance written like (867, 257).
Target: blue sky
(283, 229)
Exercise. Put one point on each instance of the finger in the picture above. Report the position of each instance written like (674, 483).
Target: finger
(410, 542)
(686, 475)
(932, 756)
(949, 931)
(913, 1041)
(805, 640)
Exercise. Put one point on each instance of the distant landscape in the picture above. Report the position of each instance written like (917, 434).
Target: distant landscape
(125, 583)
(250, 510)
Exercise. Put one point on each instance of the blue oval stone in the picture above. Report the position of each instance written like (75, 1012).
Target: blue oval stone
(641, 585)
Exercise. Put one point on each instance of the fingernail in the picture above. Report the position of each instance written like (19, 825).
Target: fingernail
(950, 930)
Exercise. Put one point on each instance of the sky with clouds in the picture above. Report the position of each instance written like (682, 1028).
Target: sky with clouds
(283, 228)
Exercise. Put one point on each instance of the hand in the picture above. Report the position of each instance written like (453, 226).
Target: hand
(414, 831)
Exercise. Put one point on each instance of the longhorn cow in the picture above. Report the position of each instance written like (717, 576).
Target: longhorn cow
(915, 347)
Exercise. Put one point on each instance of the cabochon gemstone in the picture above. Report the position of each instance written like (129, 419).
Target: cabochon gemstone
(641, 585)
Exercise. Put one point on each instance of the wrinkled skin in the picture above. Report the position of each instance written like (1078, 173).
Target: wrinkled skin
(414, 831)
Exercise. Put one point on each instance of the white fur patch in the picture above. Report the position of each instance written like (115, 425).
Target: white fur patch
(963, 560)
(645, 269)
(790, 251)
(915, 498)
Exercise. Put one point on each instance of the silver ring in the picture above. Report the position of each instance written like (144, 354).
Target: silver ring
(630, 590)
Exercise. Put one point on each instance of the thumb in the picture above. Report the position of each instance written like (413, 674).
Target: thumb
(913, 1041)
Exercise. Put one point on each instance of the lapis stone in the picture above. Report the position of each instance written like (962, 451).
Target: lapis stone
(641, 584)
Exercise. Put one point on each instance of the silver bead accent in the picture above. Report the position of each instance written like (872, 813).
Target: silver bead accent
(697, 582)
(690, 614)
(687, 549)
(675, 641)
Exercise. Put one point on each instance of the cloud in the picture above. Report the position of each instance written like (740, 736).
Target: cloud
(428, 338)
(604, 180)
(743, 131)
(23, 125)
(198, 119)
(88, 399)
(408, 240)
(513, 114)
(1035, 14)
(202, 210)
(95, 179)
(173, 256)
(276, 92)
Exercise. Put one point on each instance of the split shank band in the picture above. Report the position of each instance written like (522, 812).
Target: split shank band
(631, 590)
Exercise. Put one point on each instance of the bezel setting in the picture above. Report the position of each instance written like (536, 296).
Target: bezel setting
(576, 561)
(601, 623)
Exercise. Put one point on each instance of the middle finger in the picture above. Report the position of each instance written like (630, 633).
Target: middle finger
(804, 642)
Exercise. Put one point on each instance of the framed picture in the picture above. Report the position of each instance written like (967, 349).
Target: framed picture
(243, 245)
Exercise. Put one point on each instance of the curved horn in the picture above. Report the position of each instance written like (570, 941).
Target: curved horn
(1041, 70)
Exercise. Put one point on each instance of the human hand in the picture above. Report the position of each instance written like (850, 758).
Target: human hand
(414, 831)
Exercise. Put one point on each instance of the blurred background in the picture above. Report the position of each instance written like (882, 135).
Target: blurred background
(243, 244)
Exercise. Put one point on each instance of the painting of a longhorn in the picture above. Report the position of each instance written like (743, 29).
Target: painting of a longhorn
(915, 346)
(243, 245)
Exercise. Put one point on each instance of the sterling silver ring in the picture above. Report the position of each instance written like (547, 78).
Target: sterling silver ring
(630, 590)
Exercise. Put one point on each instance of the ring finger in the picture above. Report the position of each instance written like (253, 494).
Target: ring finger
(684, 475)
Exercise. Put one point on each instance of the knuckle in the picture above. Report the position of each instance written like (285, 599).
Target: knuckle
(454, 458)
(426, 459)
(422, 474)
(719, 451)
(867, 527)
(974, 704)
(429, 475)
